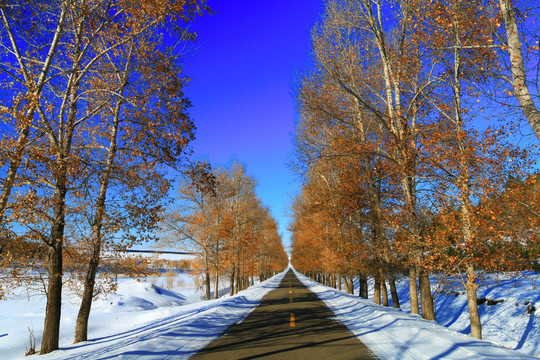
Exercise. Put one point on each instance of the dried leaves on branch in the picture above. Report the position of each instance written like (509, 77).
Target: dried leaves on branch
(218, 216)
(402, 158)
(92, 110)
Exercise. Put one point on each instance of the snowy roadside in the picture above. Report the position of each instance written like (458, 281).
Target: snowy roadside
(155, 326)
(393, 334)
(145, 320)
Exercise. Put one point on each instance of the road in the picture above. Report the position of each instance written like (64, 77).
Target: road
(290, 322)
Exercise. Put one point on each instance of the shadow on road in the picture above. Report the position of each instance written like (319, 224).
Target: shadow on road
(270, 332)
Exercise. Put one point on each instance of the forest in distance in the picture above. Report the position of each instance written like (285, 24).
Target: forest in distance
(416, 144)
(410, 144)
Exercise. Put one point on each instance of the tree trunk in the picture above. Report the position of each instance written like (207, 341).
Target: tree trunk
(51, 328)
(464, 178)
(81, 326)
(519, 75)
(384, 292)
(231, 286)
(363, 286)
(428, 311)
(216, 286)
(207, 284)
(377, 291)
(413, 290)
(474, 315)
(349, 284)
(393, 291)
(238, 281)
(339, 282)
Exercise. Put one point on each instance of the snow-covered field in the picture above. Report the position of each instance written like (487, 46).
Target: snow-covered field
(140, 320)
(144, 319)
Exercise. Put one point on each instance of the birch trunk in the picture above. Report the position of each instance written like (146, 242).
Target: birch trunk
(519, 74)
(463, 184)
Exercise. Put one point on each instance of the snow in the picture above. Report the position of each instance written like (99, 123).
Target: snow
(395, 334)
(144, 319)
(141, 319)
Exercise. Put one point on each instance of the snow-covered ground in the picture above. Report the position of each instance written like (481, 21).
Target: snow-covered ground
(143, 319)
(396, 334)
(140, 320)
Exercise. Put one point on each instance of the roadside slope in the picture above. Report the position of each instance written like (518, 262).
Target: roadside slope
(182, 332)
(393, 334)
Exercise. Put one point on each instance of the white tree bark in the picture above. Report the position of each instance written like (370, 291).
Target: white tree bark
(519, 75)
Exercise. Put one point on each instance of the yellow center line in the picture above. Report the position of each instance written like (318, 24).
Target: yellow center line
(292, 320)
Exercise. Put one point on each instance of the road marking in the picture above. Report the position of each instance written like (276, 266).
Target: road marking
(291, 299)
(292, 320)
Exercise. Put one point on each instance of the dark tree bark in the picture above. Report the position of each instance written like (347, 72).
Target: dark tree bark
(51, 328)
(231, 284)
(363, 286)
(393, 291)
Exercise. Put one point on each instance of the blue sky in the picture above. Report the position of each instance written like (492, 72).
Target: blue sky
(246, 59)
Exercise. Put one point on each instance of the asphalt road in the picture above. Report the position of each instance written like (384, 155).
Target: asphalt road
(291, 322)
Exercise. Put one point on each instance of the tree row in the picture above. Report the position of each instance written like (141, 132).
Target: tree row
(405, 168)
(219, 216)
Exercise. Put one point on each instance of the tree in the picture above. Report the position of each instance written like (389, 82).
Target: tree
(383, 80)
(220, 216)
(148, 75)
(26, 91)
(517, 67)
(60, 111)
(388, 152)
(192, 223)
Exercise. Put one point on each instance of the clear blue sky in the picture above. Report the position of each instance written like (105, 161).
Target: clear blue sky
(248, 54)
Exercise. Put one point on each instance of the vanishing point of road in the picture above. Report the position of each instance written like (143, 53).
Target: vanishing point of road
(290, 322)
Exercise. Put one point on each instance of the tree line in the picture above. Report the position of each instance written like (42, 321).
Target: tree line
(93, 117)
(219, 216)
(405, 168)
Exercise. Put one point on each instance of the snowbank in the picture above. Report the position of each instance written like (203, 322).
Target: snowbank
(141, 319)
(394, 334)
(145, 319)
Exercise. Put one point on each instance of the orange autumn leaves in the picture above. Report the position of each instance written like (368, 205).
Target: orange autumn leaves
(398, 177)
(220, 218)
